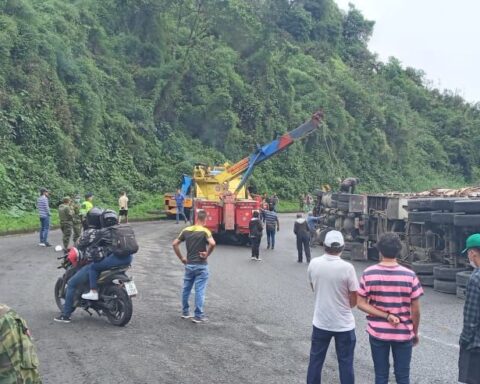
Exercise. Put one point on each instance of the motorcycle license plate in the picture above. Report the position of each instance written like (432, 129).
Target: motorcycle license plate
(131, 288)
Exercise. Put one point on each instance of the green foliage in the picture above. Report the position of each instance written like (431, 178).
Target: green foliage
(110, 95)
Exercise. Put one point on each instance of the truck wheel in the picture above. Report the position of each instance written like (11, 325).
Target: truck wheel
(467, 206)
(442, 217)
(419, 217)
(426, 280)
(447, 273)
(462, 278)
(443, 204)
(347, 255)
(461, 292)
(423, 268)
(449, 287)
(466, 220)
(420, 204)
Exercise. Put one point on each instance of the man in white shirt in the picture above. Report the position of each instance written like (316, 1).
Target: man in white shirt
(335, 285)
(123, 207)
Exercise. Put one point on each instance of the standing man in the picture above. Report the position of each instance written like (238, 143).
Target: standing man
(274, 201)
(256, 231)
(469, 360)
(311, 221)
(180, 201)
(200, 245)
(389, 294)
(65, 215)
(272, 225)
(300, 228)
(77, 219)
(123, 207)
(44, 214)
(348, 185)
(335, 285)
(18, 359)
(86, 206)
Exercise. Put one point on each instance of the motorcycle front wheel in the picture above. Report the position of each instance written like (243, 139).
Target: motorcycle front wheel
(59, 294)
(119, 305)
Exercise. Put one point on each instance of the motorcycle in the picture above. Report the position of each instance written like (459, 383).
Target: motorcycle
(115, 290)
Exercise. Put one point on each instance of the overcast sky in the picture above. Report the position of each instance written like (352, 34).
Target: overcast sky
(437, 36)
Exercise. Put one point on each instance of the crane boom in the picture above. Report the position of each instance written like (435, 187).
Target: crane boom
(247, 164)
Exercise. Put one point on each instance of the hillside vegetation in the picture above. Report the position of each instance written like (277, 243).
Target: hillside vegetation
(129, 94)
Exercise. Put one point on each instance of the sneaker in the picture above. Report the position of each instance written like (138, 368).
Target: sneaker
(268, 246)
(187, 316)
(62, 319)
(258, 259)
(90, 296)
(41, 245)
(198, 320)
(47, 244)
(252, 258)
(273, 247)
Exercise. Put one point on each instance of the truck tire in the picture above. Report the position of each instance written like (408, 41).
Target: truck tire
(442, 217)
(462, 278)
(461, 292)
(449, 287)
(347, 255)
(419, 217)
(467, 206)
(423, 268)
(426, 280)
(345, 197)
(420, 204)
(443, 204)
(447, 273)
(466, 220)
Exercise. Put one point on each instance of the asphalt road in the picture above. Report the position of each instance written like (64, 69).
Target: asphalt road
(260, 319)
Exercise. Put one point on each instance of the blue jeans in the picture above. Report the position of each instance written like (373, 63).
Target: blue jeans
(107, 263)
(195, 274)
(402, 354)
(44, 227)
(79, 278)
(271, 237)
(180, 211)
(345, 347)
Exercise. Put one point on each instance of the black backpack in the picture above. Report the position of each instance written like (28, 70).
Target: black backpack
(123, 241)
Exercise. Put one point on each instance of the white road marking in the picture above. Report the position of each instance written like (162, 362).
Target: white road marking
(439, 341)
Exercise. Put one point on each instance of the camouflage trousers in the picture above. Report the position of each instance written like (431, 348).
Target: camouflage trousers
(67, 229)
(77, 231)
(18, 360)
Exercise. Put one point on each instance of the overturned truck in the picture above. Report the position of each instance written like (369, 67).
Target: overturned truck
(433, 227)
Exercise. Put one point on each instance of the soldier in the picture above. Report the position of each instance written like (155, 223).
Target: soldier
(65, 214)
(77, 219)
(18, 360)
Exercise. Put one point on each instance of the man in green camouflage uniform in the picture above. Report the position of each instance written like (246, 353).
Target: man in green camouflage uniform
(18, 360)
(77, 219)
(65, 214)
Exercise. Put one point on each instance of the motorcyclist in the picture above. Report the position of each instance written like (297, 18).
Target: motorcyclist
(103, 258)
(84, 257)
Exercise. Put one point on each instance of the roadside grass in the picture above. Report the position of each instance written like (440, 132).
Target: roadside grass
(286, 206)
(14, 220)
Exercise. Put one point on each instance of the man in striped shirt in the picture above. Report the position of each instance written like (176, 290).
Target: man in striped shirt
(389, 294)
(44, 214)
(271, 225)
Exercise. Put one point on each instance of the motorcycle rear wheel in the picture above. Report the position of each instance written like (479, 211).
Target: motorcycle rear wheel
(121, 305)
(59, 296)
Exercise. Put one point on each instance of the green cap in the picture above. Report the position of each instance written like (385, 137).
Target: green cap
(473, 241)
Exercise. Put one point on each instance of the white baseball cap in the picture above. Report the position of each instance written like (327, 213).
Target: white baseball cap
(334, 239)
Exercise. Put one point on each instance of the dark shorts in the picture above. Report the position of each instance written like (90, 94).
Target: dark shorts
(469, 366)
(123, 212)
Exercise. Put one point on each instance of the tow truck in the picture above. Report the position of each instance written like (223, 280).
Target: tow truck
(221, 190)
